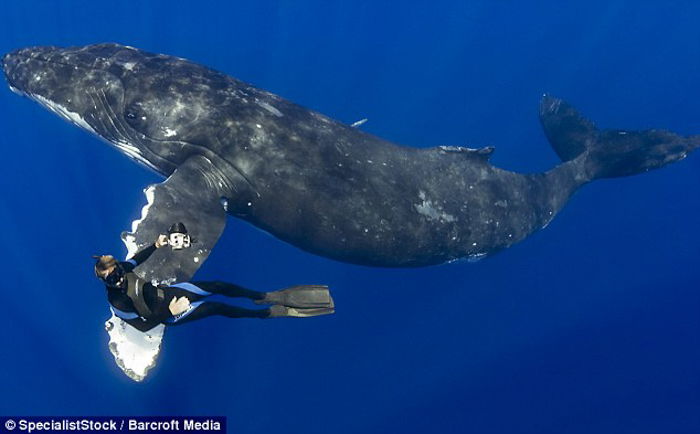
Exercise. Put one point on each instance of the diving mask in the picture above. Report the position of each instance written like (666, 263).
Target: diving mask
(115, 277)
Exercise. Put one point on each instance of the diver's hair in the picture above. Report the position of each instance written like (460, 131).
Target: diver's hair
(104, 264)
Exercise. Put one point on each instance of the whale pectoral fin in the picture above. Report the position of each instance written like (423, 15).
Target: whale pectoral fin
(191, 195)
(135, 352)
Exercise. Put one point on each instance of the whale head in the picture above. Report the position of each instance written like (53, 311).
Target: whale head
(141, 103)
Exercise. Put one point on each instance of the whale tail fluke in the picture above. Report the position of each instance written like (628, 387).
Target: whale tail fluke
(609, 153)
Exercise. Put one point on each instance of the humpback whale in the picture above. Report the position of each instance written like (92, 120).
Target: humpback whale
(228, 148)
(329, 188)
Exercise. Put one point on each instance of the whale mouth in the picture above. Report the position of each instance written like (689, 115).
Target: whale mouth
(63, 112)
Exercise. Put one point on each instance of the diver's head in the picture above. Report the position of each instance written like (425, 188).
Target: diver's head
(108, 270)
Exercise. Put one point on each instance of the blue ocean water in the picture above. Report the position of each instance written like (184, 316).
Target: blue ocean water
(588, 326)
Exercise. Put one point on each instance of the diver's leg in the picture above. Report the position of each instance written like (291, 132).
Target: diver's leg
(228, 289)
(302, 296)
(206, 309)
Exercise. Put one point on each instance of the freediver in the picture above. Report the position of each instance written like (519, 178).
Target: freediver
(144, 306)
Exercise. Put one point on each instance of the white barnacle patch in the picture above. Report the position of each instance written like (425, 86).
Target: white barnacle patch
(129, 66)
(476, 257)
(167, 132)
(321, 117)
(270, 109)
(431, 210)
(63, 112)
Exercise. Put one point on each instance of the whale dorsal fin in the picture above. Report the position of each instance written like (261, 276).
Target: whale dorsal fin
(479, 153)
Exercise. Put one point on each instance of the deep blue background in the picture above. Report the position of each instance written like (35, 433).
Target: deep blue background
(588, 326)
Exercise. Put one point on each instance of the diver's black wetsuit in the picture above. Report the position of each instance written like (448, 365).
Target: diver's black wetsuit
(157, 299)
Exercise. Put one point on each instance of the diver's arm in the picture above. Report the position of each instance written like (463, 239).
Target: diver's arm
(140, 257)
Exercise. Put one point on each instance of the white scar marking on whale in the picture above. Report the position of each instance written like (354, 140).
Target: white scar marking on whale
(270, 108)
(167, 132)
(431, 210)
(129, 66)
(63, 112)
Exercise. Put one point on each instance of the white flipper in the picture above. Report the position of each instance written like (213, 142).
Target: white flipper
(191, 195)
(134, 351)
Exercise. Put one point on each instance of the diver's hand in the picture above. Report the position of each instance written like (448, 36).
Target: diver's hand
(161, 241)
(179, 305)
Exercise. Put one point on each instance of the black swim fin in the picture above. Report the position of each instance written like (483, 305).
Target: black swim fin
(278, 311)
(302, 296)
